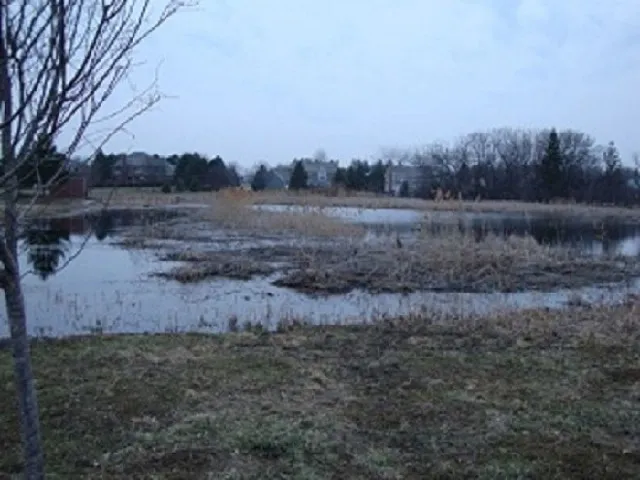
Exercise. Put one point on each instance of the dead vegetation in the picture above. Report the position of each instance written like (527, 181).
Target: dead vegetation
(239, 216)
(203, 265)
(451, 261)
(235, 217)
(333, 256)
(446, 261)
(533, 394)
(366, 200)
(146, 197)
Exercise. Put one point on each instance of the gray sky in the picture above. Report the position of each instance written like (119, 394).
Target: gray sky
(271, 80)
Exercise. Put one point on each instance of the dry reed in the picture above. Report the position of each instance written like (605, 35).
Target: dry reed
(450, 261)
(149, 197)
(235, 213)
(445, 205)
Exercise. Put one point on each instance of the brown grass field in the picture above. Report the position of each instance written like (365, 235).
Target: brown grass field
(534, 394)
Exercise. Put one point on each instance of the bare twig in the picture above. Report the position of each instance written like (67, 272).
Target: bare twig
(60, 60)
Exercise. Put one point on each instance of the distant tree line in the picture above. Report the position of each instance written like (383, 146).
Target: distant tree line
(362, 176)
(45, 166)
(195, 172)
(527, 165)
(499, 164)
(191, 172)
(508, 164)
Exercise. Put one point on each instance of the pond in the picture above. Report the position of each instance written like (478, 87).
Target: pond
(593, 237)
(110, 289)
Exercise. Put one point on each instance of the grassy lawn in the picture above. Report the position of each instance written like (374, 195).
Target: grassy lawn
(530, 395)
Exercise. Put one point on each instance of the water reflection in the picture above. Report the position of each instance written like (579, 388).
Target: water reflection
(47, 242)
(597, 238)
(46, 245)
(608, 236)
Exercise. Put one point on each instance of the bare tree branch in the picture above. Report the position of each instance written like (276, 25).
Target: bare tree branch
(60, 61)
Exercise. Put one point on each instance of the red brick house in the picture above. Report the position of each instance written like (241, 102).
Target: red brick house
(75, 186)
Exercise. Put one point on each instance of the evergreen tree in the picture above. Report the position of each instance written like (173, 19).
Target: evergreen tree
(191, 172)
(376, 177)
(218, 174)
(259, 181)
(340, 177)
(551, 168)
(614, 180)
(102, 168)
(45, 166)
(357, 175)
(299, 177)
(404, 189)
(234, 177)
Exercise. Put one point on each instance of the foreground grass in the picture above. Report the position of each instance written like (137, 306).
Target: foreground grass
(529, 395)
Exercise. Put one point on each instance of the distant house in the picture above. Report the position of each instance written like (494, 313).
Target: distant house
(275, 182)
(396, 175)
(79, 167)
(141, 169)
(320, 173)
(74, 186)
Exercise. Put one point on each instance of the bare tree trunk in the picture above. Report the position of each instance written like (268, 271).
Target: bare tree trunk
(59, 63)
(23, 375)
(14, 301)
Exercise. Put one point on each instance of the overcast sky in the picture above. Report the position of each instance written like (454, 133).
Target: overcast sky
(256, 80)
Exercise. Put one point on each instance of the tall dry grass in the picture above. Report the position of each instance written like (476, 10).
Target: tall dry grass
(450, 261)
(367, 200)
(234, 211)
(152, 197)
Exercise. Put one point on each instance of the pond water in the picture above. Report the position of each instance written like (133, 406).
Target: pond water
(594, 237)
(109, 289)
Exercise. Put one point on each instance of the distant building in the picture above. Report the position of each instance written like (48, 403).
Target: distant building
(75, 186)
(141, 169)
(396, 175)
(274, 181)
(320, 173)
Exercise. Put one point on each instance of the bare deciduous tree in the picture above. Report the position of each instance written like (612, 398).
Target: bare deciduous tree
(60, 61)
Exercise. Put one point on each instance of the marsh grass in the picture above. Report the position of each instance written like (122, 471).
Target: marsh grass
(532, 394)
(451, 260)
(236, 269)
(234, 215)
(239, 216)
(366, 200)
(136, 197)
